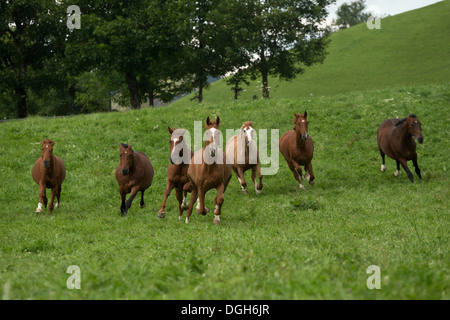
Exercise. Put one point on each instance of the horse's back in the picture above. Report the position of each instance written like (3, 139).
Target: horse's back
(285, 141)
(147, 167)
(61, 168)
(384, 132)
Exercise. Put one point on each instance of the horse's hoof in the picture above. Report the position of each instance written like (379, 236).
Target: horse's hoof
(244, 191)
(311, 182)
(38, 211)
(301, 186)
(141, 206)
(383, 168)
(57, 205)
(397, 173)
(203, 213)
(217, 222)
(123, 214)
(161, 215)
(258, 192)
(307, 177)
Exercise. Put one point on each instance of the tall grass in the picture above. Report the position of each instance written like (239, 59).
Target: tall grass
(284, 244)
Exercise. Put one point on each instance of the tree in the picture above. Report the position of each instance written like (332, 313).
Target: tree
(277, 37)
(31, 46)
(352, 14)
(127, 37)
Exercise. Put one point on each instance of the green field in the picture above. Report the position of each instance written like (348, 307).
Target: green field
(412, 48)
(284, 244)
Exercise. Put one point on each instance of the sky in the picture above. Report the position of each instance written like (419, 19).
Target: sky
(383, 7)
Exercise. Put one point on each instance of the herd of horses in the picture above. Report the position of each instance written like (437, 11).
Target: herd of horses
(395, 137)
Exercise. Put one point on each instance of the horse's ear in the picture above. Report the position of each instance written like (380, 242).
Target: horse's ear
(129, 146)
(218, 121)
(305, 114)
(208, 121)
(170, 130)
(296, 115)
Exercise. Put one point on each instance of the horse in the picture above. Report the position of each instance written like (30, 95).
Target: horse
(49, 172)
(243, 151)
(134, 173)
(297, 147)
(177, 171)
(395, 138)
(208, 170)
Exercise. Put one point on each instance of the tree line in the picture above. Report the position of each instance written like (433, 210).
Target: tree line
(131, 51)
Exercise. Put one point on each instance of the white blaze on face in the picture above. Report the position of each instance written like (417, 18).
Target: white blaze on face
(174, 143)
(249, 133)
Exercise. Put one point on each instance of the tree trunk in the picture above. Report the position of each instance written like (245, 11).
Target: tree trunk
(264, 74)
(265, 83)
(21, 95)
(200, 90)
(133, 87)
(151, 98)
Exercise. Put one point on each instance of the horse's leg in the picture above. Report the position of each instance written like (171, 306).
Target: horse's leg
(201, 202)
(416, 165)
(383, 165)
(241, 179)
(142, 203)
(58, 196)
(42, 197)
(194, 194)
(397, 173)
(123, 205)
(133, 194)
(185, 203)
(162, 210)
(179, 195)
(218, 201)
(52, 199)
(405, 167)
(297, 172)
(258, 187)
(310, 173)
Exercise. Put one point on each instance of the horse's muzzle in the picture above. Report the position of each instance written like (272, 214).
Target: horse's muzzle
(305, 136)
(125, 172)
(420, 140)
(46, 164)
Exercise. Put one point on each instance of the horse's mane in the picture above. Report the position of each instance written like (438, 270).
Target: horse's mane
(404, 119)
(124, 145)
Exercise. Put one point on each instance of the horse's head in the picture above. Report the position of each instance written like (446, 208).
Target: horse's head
(126, 158)
(414, 127)
(47, 152)
(176, 137)
(301, 125)
(212, 135)
(247, 132)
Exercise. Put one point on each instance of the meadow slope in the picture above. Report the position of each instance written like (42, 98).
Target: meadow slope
(284, 244)
(411, 48)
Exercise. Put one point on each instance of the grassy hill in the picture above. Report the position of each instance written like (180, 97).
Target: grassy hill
(410, 48)
(284, 244)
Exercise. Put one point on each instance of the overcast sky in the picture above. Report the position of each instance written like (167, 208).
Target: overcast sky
(384, 7)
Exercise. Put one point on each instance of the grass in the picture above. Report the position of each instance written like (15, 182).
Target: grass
(411, 48)
(284, 244)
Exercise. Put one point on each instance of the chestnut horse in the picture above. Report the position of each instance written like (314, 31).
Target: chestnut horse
(209, 170)
(297, 148)
(134, 173)
(242, 150)
(177, 171)
(396, 139)
(49, 172)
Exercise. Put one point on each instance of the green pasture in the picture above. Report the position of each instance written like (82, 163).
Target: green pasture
(283, 244)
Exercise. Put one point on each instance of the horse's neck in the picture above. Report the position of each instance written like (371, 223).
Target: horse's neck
(402, 132)
(134, 160)
(299, 140)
